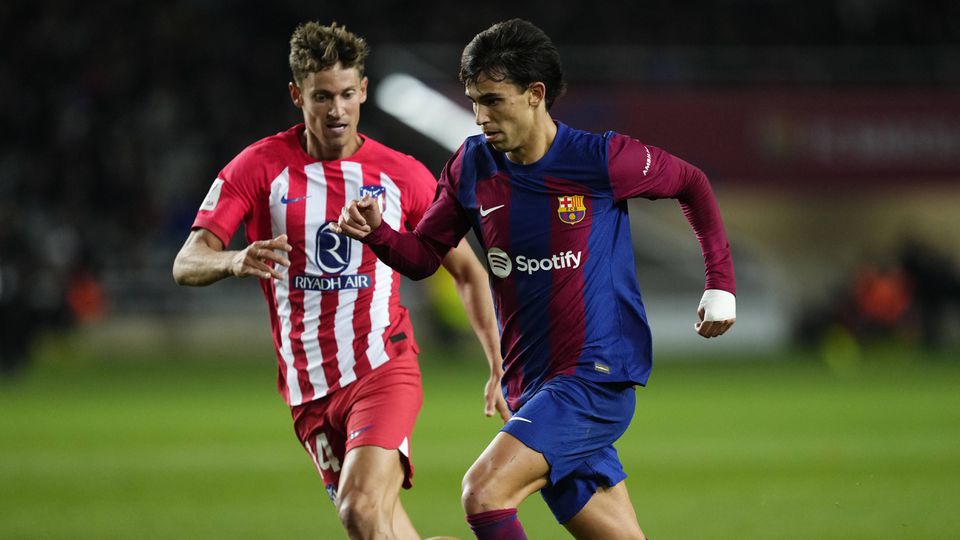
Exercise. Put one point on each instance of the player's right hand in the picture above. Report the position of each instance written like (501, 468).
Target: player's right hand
(493, 398)
(717, 312)
(260, 258)
(359, 218)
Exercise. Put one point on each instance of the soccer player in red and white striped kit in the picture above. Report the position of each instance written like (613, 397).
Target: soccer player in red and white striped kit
(347, 356)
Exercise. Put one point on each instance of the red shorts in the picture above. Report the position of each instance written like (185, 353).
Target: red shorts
(380, 409)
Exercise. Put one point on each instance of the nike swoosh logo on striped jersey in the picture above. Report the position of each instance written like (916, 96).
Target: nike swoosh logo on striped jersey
(484, 212)
(285, 200)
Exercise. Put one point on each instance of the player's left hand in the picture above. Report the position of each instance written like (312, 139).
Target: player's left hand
(493, 398)
(717, 311)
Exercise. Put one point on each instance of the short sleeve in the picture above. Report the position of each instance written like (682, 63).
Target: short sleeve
(419, 196)
(230, 199)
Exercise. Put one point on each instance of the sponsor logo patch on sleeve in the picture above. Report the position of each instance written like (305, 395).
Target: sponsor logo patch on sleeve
(213, 196)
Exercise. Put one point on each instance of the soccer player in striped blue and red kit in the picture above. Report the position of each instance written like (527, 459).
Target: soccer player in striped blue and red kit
(548, 205)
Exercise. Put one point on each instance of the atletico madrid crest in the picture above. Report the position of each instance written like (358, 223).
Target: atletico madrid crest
(571, 209)
(376, 192)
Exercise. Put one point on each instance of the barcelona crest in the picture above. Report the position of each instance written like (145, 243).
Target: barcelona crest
(571, 209)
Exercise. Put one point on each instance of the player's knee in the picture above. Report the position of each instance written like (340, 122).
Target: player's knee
(360, 512)
(477, 493)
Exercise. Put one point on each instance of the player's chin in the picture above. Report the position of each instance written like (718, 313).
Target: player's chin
(502, 146)
(335, 138)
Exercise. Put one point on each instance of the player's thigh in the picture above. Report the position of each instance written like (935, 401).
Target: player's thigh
(506, 473)
(374, 473)
(608, 515)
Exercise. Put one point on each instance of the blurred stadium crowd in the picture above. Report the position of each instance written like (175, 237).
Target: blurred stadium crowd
(116, 118)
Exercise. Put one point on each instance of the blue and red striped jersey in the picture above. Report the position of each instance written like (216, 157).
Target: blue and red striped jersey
(557, 241)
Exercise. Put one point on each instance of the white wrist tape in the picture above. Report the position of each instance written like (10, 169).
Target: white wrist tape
(718, 305)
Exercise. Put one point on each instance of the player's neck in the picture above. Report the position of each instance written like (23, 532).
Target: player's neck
(319, 151)
(538, 143)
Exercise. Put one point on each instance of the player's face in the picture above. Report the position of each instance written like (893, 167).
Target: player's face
(330, 101)
(504, 111)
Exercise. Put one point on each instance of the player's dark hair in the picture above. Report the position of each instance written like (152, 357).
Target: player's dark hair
(515, 51)
(315, 47)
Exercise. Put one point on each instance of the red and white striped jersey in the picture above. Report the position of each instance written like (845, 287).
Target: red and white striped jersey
(336, 314)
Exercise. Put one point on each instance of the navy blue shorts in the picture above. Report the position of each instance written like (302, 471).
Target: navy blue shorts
(574, 422)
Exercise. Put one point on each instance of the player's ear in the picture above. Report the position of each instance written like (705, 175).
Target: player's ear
(363, 90)
(537, 93)
(296, 96)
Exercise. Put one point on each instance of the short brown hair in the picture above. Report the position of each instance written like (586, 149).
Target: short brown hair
(315, 47)
(515, 51)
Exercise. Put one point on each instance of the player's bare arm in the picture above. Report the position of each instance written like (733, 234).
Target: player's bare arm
(202, 259)
(472, 285)
(359, 218)
(717, 312)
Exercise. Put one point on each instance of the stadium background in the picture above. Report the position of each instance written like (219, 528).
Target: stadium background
(831, 133)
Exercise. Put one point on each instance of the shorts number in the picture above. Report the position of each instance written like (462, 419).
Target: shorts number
(325, 456)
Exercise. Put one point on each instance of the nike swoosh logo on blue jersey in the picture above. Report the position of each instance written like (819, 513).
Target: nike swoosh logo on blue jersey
(520, 418)
(285, 200)
(486, 211)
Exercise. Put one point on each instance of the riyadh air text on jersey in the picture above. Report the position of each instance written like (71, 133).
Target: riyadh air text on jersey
(331, 283)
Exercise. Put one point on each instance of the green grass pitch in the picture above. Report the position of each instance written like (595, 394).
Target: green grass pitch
(178, 447)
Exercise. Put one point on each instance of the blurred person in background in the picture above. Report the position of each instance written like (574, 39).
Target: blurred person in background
(935, 285)
(548, 204)
(47, 282)
(19, 318)
(347, 355)
(910, 297)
